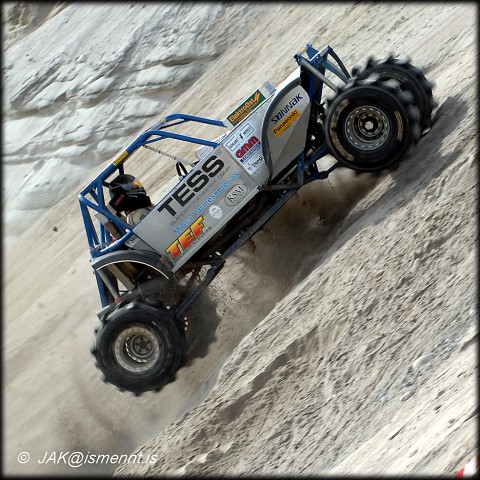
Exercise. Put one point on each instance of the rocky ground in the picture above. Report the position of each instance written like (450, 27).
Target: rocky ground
(353, 354)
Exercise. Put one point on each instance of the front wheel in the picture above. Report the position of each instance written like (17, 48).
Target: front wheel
(139, 348)
(370, 124)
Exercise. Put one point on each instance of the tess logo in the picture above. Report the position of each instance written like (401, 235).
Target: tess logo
(194, 183)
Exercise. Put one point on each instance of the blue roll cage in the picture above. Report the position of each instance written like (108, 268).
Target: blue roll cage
(316, 63)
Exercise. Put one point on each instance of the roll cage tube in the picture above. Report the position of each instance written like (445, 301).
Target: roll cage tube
(102, 243)
(317, 64)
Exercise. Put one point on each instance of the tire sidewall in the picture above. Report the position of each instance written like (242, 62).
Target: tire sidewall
(161, 325)
(353, 157)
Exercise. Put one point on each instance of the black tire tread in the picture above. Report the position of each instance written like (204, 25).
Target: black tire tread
(138, 387)
(416, 74)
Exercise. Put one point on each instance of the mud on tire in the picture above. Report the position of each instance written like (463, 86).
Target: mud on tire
(370, 124)
(139, 348)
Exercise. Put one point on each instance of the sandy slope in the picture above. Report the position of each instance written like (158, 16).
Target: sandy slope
(313, 356)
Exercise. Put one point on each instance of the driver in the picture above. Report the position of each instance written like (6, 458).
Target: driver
(128, 195)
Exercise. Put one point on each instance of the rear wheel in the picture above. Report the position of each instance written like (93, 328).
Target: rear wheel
(411, 79)
(139, 348)
(370, 124)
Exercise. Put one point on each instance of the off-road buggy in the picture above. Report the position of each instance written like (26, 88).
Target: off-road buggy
(150, 273)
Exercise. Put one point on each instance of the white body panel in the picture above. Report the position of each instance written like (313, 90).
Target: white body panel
(227, 176)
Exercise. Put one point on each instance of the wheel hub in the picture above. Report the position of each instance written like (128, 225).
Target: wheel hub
(141, 346)
(367, 128)
(137, 348)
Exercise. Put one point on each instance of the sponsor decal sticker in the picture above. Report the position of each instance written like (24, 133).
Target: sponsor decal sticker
(211, 198)
(278, 116)
(208, 202)
(192, 225)
(215, 212)
(248, 149)
(254, 163)
(248, 106)
(183, 242)
(250, 154)
(193, 184)
(236, 194)
(287, 122)
(243, 132)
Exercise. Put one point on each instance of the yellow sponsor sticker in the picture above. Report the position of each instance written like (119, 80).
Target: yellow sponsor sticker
(291, 118)
(120, 158)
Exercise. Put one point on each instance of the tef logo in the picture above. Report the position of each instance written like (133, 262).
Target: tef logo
(245, 148)
(186, 238)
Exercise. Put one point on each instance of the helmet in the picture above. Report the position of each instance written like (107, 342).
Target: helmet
(127, 193)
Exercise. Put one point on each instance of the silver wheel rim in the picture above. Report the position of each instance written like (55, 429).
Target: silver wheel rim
(367, 128)
(136, 348)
